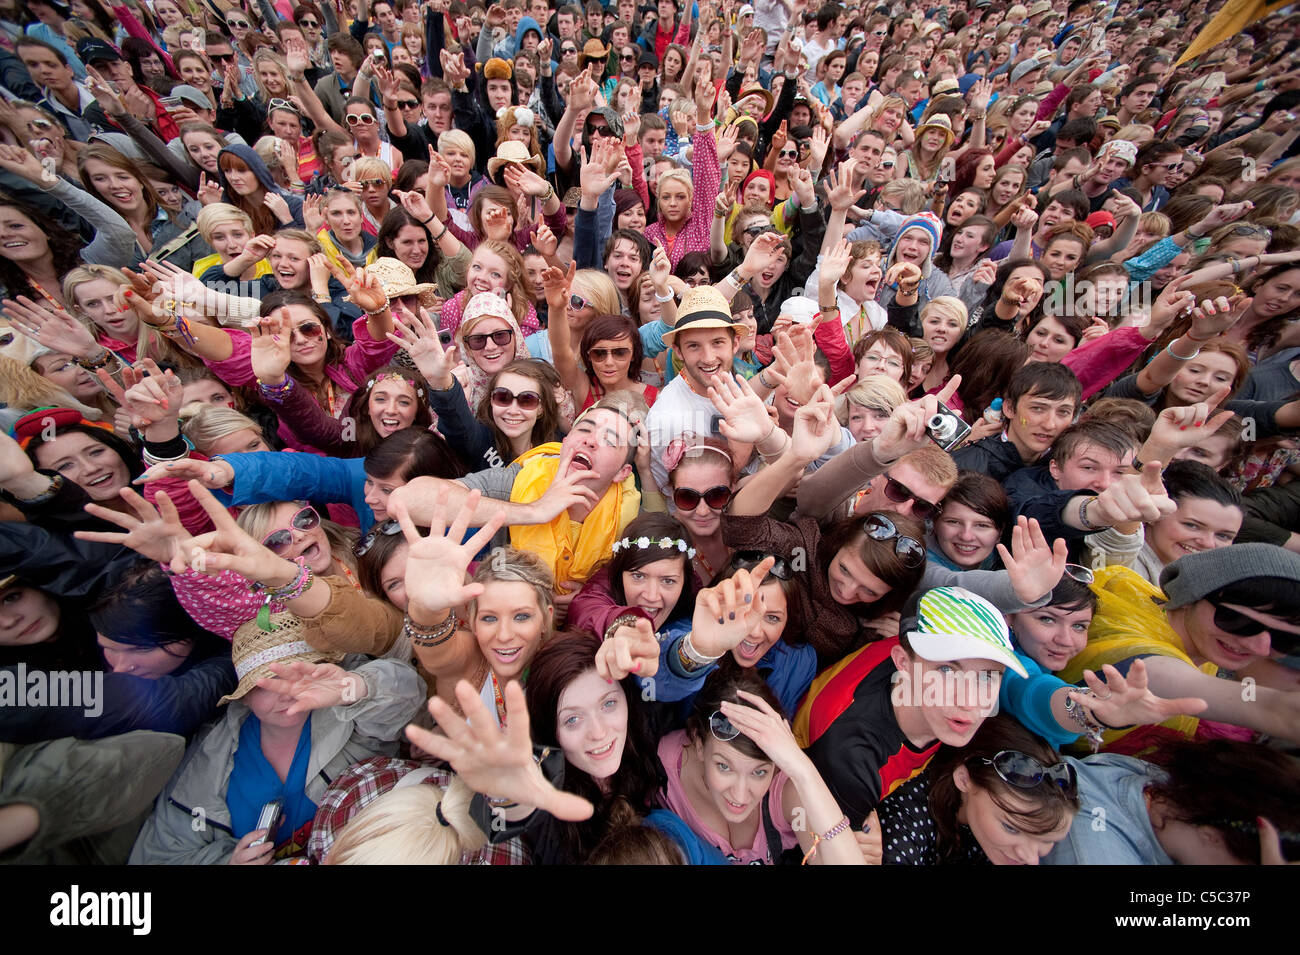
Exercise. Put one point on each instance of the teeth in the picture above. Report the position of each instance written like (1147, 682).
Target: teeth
(602, 751)
(508, 654)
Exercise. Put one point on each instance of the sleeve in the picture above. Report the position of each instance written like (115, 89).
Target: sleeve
(238, 368)
(114, 242)
(834, 344)
(1104, 359)
(768, 534)
(993, 585)
(1264, 416)
(824, 490)
(469, 117)
(353, 622)
(672, 682)
(635, 160)
(1272, 514)
(594, 608)
(1046, 509)
(185, 173)
(1127, 387)
(365, 354)
(495, 483)
(170, 835)
(902, 317)
(1029, 700)
(59, 563)
(813, 228)
(291, 476)
(307, 419)
(468, 436)
(708, 178)
(1047, 108)
(193, 517)
(848, 766)
(220, 603)
(135, 28)
(584, 239)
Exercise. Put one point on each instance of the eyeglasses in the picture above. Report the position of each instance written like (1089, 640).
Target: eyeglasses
(576, 302)
(752, 558)
(501, 336)
(360, 119)
(374, 183)
(277, 103)
(311, 330)
(605, 354)
(688, 499)
(308, 24)
(304, 520)
(385, 529)
(1251, 231)
(1025, 772)
(721, 728)
(909, 550)
(527, 400)
(1079, 573)
(900, 494)
(872, 359)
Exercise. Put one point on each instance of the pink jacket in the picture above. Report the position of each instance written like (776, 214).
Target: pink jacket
(1104, 359)
(694, 236)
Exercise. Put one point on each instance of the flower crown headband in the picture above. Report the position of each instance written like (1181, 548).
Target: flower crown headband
(645, 543)
(678, 448)
(394, 376)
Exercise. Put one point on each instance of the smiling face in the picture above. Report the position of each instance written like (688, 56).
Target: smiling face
(313, 545)
(624, 263)
(1091, 468)
(493, 357)
(509, 626)
(705, 352)
(243, 441)
(20, 238)
(611, 360)
(1062, 257)
(1198, 524)
(699, 475)
(392, 405)
(1000, 833)
(1203, 376)
(288, 258)
(513, 420)
(735, 783)
(591, 725)
(597, 449)
(96, 301)
(120, 189)
(1279, 295)
(488, 272)
(656, 587)
(775, 611)
(941, 331)
(965, 536)
(1051, 636)
(1204, 641)
(92, 466)
(27, 616)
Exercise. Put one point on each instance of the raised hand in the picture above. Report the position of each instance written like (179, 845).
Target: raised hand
(153, 531)
(599, 169)
(1096, 329)
(770, 731)
(1212, 318)
(417, 335)
(804, 187)
(816, 429)
(313, 214)
(21, 163)
(821, 144)
(835, 263)
(439, 171)
(905, 275)
(556, 284)
(279, 208)
(209, 191)
(1171, 302)
(986, 273)
(763, 254)
(544, 240)
(526, 181)
(415, 204)
(367, 292)
(905, 430)
(728, 613)
(454, 70)
(1034, 566)
(14, 462)
(840, 192)
(1185, 426)
(270, 347)
(150, 398)
(744, 414)
(212, 474)
(632, 648)
(728, 138)
(56, 330)
(314, 686)
(1134, 498)
(436, 565)
(1025, 217)
(493, 761)
(1121, 701)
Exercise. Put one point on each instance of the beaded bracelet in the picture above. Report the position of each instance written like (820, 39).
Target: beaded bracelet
(430, 636)
(291, 591)
(276, 391)
(1089, 728)
(835, 830)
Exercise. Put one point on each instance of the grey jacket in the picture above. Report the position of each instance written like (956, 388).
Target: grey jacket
(191, 823)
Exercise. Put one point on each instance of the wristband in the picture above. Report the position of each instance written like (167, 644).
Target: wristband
(1083, 515)
(422, 636)
(94, 364)
(1173, 354)
(667, 298)
(56, 485)
(622, 620)
(690, 658)
(762, 380)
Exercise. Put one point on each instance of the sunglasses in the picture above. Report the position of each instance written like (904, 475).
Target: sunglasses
(887, 164)
(364, 119)
(311, 330)
(605, 354)
(408, 103)
(221, 57)
(757, 230)
(627, 57)
(577, 301)
(238, 24)
(278, 103)
(600, 130)
(1079, 573)
(1239, 625)
(566, 50)
(721, 728)
(501, 336)
(305, 520)
(752, 558)
(308, 24)
(688, 499)
(900, 494)
(384, 529)
(374, 183)
(909, 550)
(789, 153)
(526, 400)
(1025, 772)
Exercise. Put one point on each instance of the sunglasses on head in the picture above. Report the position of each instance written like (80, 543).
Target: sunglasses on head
(688, 499)
(1025, 772)
(383, 529)
(526, 400)
(605, 354)
(277, 103)
(1079, 574)
(721, 728)
(752, 558)
(900, 494)
(360, 119)
(278, 541)
(501, 336)
(39, 125)
(909, 550)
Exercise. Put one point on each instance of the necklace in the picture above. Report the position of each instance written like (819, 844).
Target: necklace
(40, 290)
(704, 562)
(499, 698)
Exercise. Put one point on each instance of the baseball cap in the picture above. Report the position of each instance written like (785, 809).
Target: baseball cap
(954, 624)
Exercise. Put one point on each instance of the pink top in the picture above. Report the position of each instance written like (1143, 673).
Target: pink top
(220, 603)
(674, 798)
(1103, 360)
(694, 236)
(557, 221)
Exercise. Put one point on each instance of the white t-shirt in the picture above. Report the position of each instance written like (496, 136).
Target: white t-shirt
(676, 412)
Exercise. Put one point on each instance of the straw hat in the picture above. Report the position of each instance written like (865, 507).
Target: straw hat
(253, 651)
(512, 151)
(703, 307)
(940, 122)
(764, 95)
(593, 49)
(398, 280)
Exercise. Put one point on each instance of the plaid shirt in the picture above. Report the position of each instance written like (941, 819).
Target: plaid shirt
(366, 781)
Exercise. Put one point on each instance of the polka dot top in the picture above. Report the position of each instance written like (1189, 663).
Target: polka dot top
(909, 834)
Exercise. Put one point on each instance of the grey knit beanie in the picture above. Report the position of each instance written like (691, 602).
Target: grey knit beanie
(1190, 578)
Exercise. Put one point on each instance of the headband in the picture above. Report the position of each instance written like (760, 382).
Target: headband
(678, 447)
(394, 376)
(665, 543)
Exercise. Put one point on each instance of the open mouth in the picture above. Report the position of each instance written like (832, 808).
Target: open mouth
(710, 369)
(122, 195)
(581, 462)
(311, 553)
(966, 550)
(101, 481)
(507, 655)
(769, 277)
(624, 275)
(16, 244)
(603, 752)
(480, 286)
(390, 424)
(735, 807)
(749, 649)
(284, 273)
(1232, 655)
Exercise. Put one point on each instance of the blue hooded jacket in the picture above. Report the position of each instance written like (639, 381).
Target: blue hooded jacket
(526, 24)
(254, 162)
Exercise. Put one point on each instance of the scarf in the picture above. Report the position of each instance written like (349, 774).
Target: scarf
(570, 560)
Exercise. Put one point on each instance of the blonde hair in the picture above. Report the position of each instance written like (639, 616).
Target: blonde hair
(934, 464)
(1157, 223)
(676, 175)
(458, 139)
(599, 289)
(404, 827)
(877, 392)
(507, 565)
(368, 167)
(221, 213)
(300, 235)
(256, 521)
(949, 306)
(266, 54)
(1136, 133)
(24, 388)
(205, 424)
(149, 342)
(908, 194)
(270, 149)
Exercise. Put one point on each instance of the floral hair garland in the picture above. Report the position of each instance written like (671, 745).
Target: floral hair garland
(394, 376)
(645, 543)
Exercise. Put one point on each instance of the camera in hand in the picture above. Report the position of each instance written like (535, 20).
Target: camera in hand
(269, 819)
(946, 428)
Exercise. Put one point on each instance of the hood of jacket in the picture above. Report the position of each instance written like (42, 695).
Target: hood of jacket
(526, 24)
(253, 161)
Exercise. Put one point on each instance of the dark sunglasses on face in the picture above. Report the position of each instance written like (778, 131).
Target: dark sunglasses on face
(501, 336)
(527, 400)
(600, 130)
(374, 183)
(909, 550)
(1025, 772)
(308, 24)
(311, 330)
(1239, 625)
(384, 529)
(577, 301)
(752, 558)
(408, 103)
(278, 541)
(221, 57)
(604, 354)
(626, 57)
(757, 230)
(688, 499)
(789, 153)
(899, 494)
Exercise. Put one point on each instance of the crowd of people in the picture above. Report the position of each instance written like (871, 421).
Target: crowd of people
(649, 432)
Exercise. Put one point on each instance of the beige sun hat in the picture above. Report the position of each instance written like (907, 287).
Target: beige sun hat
(253, 650)
(512, 151)
(398, 280)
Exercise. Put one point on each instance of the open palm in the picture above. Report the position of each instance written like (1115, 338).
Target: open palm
(436, 565)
